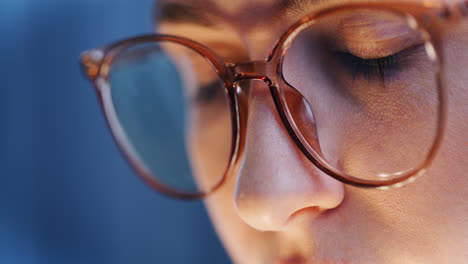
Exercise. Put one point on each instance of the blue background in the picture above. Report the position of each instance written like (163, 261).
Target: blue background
(66, 194)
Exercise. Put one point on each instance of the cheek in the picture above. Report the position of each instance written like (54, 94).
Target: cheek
(210, 137)
(435, 205)
(243, 243)
(456, 142)
(457, 81)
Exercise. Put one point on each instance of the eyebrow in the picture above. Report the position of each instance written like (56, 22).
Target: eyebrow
(176, 12)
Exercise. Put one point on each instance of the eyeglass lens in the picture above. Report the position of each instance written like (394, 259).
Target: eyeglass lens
(174, 112)
(369, 81)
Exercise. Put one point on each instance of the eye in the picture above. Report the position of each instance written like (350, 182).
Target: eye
(209, 102)
(209, 93)
(379, 68)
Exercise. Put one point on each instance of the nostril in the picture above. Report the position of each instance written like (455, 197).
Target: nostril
(311, 212)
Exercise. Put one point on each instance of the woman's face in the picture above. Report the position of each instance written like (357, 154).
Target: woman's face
(276, 207)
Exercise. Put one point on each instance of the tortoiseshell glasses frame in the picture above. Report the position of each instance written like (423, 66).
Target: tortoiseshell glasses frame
(424, 16)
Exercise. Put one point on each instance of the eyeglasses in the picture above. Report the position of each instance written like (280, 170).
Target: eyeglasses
(359, 88)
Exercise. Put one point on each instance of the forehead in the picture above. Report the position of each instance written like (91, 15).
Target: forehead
(229, 6)
(243, 8)
(240, 13)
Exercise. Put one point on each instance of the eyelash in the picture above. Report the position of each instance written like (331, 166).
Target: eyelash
(371, 69)
(377, 69)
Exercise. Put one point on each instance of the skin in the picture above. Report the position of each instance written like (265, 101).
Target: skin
(276, 207)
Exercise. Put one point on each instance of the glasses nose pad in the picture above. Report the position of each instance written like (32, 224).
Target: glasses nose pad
(303, 116)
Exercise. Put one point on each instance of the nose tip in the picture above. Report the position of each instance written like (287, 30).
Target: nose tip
(275, 180)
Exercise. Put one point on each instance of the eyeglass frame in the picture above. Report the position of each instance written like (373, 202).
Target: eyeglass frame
(96, 64)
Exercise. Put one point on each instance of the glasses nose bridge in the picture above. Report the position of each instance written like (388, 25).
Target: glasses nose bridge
(253, 70)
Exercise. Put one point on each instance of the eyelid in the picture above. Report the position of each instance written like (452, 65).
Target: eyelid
(370, 36)
(378, 41)
(381, 48)
(380, 67)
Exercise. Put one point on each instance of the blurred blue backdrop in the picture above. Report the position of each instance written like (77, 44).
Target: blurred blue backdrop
(66, 194)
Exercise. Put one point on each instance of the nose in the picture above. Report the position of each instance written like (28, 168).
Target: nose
(275, 181)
